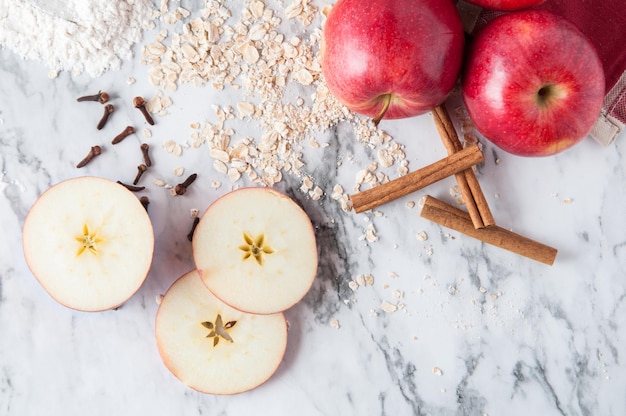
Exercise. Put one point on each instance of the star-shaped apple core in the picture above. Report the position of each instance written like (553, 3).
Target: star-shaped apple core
(255, 247)
(88, 241)
(219, 329)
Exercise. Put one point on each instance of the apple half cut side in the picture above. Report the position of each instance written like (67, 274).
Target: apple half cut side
(89, 242)
(213, 348)
(255, 249)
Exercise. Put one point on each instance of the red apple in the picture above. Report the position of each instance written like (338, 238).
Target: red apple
(533, 83)
(506, 5)
(392, 58)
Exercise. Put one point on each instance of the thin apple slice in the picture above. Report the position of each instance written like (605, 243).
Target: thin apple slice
(255, 249)
(212, 347)
(89, 242)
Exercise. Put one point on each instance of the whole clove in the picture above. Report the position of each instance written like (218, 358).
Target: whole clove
(101, 97)
(196, 220)
(132, 188)
(146, 156)
(108, 110)
(93, 152)
(140, 103)
(140, 170)
(124, 134)
(145, 202)
(181, 188)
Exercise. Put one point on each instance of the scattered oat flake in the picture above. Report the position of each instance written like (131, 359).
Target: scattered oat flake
(364, 279)
(334, 323)
(353, 285)
(179, 171)
(422, 236)
(370, 233)
(388, 306)
(437, 371)
(568, 200)
(245, 109)
(316, 193)
(159, 299)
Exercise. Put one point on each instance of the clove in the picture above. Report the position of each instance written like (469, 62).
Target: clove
(145, 202)
(132, 188)
(140, 103)
(124, 134)
(93, 152)
(146, 156)
(196, 220)
(108, 110)
(181, 188)
(101, 97)
(140, 170)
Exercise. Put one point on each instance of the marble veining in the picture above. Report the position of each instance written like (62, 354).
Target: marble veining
(476, 331)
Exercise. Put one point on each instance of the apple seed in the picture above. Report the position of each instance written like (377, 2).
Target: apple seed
(218, 329)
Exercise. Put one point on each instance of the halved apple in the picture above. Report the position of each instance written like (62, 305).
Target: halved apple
(255, 249)
(212, 347)
(89, 242)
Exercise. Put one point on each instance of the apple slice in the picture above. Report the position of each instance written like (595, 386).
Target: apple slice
(212, 347)
(255, 250)
(89, 242)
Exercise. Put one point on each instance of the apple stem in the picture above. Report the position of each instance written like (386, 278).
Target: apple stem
(386, 103)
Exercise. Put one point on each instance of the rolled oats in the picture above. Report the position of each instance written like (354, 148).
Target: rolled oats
(252, 54)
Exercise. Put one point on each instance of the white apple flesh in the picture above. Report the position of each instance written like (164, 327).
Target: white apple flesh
(213, 348)
(255, 249)
(89, 242)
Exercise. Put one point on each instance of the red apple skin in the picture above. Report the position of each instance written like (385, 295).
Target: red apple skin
(506, 5)
(411, 49)
(533, 84)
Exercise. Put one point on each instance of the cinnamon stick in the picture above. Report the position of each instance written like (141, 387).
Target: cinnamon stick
(397, 188)
(473, 196)
(459, 220)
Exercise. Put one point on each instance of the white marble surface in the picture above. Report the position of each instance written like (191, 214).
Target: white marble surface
(509, 336)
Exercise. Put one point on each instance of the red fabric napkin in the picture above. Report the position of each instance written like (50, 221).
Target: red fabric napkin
(604, 22)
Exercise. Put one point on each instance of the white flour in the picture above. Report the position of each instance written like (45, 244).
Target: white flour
(85, 36)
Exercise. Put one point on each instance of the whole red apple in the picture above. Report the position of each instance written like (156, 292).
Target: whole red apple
(392, 58)
(506, 5)
(533, 84)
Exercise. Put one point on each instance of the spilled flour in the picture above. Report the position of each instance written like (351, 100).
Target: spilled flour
(80, 36)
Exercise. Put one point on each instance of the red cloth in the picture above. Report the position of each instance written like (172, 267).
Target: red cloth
(604, 22)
